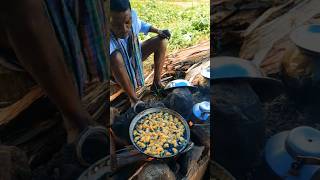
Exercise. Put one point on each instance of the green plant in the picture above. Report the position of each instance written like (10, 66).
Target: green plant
(189, 24)
(188, 21)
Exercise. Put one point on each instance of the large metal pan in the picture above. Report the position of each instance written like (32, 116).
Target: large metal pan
(187, 146)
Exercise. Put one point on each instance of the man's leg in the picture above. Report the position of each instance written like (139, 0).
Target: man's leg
(158, 46)
(120, 74)
(44, 61)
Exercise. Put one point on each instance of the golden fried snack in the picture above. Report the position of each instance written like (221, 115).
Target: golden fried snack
(159, 134)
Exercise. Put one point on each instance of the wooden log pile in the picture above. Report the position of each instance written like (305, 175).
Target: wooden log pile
(260, 28)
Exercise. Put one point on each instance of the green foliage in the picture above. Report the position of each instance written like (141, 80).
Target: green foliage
(188, 20)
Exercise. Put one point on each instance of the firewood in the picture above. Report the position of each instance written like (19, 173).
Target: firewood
(12, 111)
(197, 70)
(220, 16)
(199, 170)
(14, 164)
(241, 20)
(258, 44)
(261, 19)
(137, 172)
(190, 159)
(156, 171)
(117, 94)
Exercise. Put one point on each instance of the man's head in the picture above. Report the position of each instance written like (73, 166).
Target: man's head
(120, 18)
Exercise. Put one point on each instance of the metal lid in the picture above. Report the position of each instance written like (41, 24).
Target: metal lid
(232, 68)
(307, 37)
(178, 83)
(206, 72)
(225, 67)
(282, 149)
(304, 141)
(202, 110)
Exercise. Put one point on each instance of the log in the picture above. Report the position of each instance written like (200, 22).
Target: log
(117, 94)
(200, 171)
(220, 16)
(220, 173)
(189, 54)
(260, 42)
(156, 171)
(241, 20)
(14, 164)
(272, 64)
(197, 70)
(263, 18)
(189, 161)
(201, 137)
(12, 111)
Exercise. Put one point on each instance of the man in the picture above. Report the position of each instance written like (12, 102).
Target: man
(59, 45)
(127, 53)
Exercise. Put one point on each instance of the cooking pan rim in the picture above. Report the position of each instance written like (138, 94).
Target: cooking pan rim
(153, 110)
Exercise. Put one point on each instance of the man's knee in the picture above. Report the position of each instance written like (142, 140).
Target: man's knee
(162, 42)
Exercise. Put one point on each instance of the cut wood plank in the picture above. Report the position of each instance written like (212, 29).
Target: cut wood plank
(192, 52)
(220, 16)
(261, 19)
(8, 113)
(117, 94)
(261, 41)
(197, 70)
(134, 176)
(273, 60)
(241, 19)
(198, 173)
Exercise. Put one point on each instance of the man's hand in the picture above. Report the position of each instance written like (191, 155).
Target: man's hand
(164, 34)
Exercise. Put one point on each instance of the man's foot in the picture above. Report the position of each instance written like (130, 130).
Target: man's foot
(157, 87)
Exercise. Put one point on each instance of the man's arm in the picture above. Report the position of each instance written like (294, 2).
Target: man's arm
(33, 40)
(161, 33)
